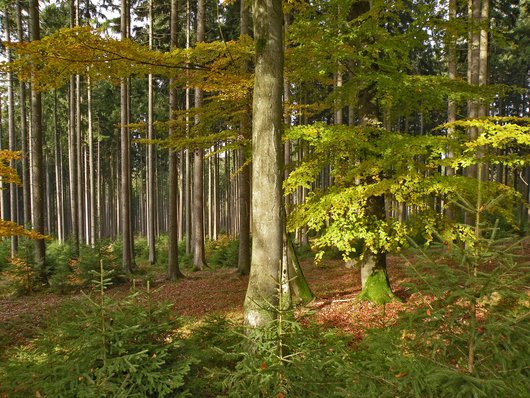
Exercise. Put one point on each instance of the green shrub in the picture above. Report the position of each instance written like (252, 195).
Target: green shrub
(185, 259)
(223, 252)
(141, 249)
(5, 253)
(19, 276)
(100, 347)
(58, 261)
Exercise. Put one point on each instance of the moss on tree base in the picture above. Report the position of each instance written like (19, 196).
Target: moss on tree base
(377, 289)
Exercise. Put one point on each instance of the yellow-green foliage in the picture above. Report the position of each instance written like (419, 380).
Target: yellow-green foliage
(370, 161)
(8, 175)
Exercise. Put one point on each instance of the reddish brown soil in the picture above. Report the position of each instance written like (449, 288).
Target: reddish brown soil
(222, 292)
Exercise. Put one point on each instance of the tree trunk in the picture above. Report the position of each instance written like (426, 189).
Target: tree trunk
(72, 156)
(150, 217)
(13, 199)
(37, 168)
(199, 258)
(90, 164)
(26, 189)
(125, 211)
(374, 278)
(58, 173)
(187, 151)
(173, 271)
(451, 69)
(267, 205)
(473, 69)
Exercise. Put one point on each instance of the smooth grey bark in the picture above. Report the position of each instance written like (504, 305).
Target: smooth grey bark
(199, 256)
(266, 273)
(37, 168)
(173, 271)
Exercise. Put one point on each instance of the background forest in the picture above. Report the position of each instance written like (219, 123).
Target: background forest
(298, 198)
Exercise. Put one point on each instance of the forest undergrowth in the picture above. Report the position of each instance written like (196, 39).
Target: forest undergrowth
(149, 337)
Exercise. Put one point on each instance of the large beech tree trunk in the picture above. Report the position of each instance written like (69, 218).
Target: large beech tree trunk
(374, 278)
(267, 206)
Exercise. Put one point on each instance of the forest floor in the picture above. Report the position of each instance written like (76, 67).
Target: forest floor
(222, 291)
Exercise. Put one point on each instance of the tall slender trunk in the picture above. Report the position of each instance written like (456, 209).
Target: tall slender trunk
(243, 263)
(79, 159)
(173, 271)
(72, 154)
(58, 173)
(187, 152)
(473, 68)
(150, 218)
(483, 54)
(199, 257)
(26, 188)
(125, 211)
(90, 163)
(99, 188)
(13, 197)
(451, 71)
(37, 168)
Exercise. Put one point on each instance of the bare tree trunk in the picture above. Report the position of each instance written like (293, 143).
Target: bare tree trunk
(126, 228)
(150, 156)
(188, 155)
(26, 189)
(243, 264)
(199, 258)
(483, 54)
(451, 69)
(58, 173)
(267, 271)
(99, 188)
(173, 271)
(90, 163)
(13, 197)
(473, 68)
(37, 154)
(72, 155)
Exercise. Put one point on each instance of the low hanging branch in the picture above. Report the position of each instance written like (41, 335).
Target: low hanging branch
(51, 61)
(9, 175)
